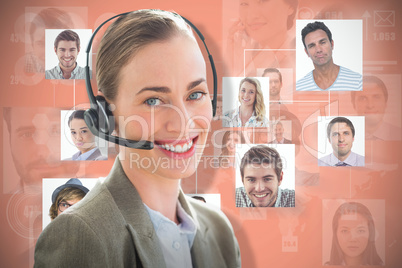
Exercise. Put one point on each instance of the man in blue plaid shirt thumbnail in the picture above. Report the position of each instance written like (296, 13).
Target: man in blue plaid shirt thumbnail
(261, 172)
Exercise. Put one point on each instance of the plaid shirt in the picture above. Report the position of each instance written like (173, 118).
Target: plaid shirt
(286, 198)
(57, 73)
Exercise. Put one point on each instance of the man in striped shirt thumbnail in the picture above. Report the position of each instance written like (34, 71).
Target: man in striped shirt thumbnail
(318, 45)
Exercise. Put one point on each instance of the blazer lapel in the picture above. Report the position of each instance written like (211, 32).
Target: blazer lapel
(138, 222)
(199, 244)
(197, 255)
(147, 248)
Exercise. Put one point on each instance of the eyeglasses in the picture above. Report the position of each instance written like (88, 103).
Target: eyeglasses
(63, 206)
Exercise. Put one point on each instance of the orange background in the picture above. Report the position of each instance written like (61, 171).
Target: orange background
(281, 237)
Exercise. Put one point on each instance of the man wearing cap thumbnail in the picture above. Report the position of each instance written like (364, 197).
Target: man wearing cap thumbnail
(66, 195)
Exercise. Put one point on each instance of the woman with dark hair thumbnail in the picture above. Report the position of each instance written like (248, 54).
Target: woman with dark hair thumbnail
(353, 237)
(83, 139)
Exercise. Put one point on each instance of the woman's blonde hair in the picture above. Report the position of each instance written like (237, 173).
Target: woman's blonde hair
(259, 106)
(126, 36)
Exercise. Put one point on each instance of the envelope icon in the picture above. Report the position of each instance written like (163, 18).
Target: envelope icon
(384, 18)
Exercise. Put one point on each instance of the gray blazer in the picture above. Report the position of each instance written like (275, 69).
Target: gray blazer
(110, 227)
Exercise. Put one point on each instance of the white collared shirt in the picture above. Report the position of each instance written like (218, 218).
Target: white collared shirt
(175, 240)
(353, 159)
(85, 155)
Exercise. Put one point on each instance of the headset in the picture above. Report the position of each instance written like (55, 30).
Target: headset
(99, 118)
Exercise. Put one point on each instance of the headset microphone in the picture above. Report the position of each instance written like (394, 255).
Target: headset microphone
(99, 118)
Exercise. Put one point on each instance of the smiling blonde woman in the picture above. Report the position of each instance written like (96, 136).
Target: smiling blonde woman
(251, 112)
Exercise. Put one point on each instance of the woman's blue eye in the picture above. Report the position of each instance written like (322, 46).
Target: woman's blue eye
(196, 95)
(153, 101)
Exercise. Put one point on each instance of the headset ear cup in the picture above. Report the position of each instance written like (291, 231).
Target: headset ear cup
(105, 116)
(110, 117)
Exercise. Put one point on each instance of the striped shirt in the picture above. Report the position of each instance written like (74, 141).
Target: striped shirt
(347, 80)
(285, 198)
